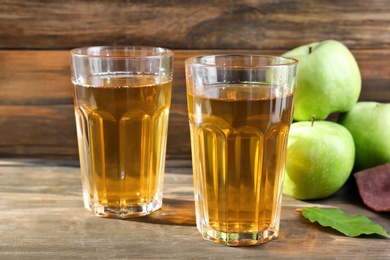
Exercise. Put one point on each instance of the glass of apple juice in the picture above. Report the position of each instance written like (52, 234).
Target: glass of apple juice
(240, 111)
(122, 96)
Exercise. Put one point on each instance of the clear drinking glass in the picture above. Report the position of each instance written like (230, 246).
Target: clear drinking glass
(122, 97)
(240, 112)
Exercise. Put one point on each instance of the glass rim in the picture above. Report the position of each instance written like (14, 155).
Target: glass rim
(195, 61)
(104, 52)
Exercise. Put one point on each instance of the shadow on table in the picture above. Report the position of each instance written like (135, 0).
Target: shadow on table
(173, 212)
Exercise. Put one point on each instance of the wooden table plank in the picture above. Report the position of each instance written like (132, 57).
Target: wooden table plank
(43, 218)
(213, 24)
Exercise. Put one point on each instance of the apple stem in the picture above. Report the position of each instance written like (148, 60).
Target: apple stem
(310, 49)
(313, 118)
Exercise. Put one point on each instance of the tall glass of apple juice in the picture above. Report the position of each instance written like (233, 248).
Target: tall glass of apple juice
(240, 111)
(122, 97)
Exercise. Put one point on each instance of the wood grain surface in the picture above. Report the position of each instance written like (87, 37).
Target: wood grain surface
(42, 217)
(183, 24)
(36, 104)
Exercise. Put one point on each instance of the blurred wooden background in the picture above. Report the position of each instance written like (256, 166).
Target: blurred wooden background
(36, 106)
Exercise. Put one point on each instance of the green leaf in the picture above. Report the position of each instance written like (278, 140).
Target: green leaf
(351, 226)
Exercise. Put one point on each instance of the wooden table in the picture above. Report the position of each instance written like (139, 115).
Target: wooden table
(42, 217)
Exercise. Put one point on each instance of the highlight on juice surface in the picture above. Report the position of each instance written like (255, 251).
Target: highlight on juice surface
(240, 111)
(122, 96)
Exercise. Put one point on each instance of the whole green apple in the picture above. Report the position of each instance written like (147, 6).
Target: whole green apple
(320, 158)
(369, 124)
(328, 80)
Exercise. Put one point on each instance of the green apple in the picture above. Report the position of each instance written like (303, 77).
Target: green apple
(320, 158)
(369, 124)
(329, 80)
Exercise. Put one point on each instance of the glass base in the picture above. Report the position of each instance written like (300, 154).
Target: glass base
(123, 212)
(240, 239)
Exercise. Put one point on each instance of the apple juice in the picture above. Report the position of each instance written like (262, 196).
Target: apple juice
(122, 127)
(239, 137)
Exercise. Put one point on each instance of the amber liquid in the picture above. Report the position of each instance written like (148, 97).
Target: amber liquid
(122, 130)
(239, 138)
